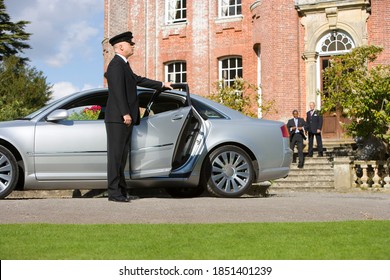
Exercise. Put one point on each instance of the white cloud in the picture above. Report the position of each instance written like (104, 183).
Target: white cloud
(74, 40)
(88, 86)
(60, 29)
(62, 89)
(65, 41)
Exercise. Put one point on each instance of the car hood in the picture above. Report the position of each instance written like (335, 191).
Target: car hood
(15, 123)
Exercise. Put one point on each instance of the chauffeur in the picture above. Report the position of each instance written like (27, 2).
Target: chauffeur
(122, 112)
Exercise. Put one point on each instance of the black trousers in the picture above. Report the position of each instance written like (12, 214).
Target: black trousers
(311, 143)
(297, 139)
(118, 145)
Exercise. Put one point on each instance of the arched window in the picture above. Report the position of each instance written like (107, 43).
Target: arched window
(176, 72)
(335, 43)
(230, 68)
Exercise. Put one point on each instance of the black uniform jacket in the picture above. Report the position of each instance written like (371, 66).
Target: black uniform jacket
(122, 95)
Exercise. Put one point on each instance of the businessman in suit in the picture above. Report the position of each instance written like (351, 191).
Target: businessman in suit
(122, 112)
(314, 128)
(296, 128)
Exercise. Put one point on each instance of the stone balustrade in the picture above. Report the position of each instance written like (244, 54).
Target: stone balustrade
(370, 174)
(361, 174)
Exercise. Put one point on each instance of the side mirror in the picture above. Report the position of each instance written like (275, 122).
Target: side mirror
(57, 115)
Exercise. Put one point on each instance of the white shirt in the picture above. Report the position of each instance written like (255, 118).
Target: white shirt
(124, 58)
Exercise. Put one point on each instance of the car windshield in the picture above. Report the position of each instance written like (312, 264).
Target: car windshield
(52, 103)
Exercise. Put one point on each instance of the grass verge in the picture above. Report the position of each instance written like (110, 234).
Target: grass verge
(352, 240)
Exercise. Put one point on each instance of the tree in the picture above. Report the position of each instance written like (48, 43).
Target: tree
(22, 89)
(360, 91)
(241, 96)
(12, 35)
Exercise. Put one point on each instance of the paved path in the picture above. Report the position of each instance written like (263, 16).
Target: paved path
(277, 207)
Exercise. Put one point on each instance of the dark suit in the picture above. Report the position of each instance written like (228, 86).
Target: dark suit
(314, 122)
(122, 100)
(297, 137)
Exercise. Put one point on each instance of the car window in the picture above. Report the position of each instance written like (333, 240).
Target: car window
(206, 111)
(162, 103)
(85, 113)
(87, 109)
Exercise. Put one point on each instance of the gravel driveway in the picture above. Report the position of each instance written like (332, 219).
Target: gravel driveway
(278, 206)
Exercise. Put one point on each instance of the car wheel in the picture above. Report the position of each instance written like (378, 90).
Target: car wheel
(185, 192)
(8, 172)
(228, 172)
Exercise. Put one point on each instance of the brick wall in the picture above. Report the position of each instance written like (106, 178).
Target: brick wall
(200, 42)
(379, 28)
(274, 26)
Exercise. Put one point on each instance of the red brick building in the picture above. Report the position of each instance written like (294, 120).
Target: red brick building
(281, 45)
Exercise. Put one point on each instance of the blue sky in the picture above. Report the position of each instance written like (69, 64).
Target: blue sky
(65, 42)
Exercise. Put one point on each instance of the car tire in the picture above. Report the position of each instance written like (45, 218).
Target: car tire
(185, 192)
(9, 172)
(228, 172)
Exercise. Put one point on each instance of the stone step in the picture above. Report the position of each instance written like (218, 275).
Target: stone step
(304, 170)
(319, 184)
(302, 187)
(307, 177)
(311, 167)
(317, 173)
(314, 158)
(336, 147)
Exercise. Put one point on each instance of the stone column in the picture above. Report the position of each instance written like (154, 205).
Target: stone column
(311, 70)
(342, 173)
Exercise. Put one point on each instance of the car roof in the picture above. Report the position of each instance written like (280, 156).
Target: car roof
(104, 90)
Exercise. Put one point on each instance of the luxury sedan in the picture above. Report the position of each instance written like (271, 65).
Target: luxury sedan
(185, 143)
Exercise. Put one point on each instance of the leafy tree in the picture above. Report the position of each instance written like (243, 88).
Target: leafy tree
(360, 91)
(12, 35)
(241, 96)
(22, 89)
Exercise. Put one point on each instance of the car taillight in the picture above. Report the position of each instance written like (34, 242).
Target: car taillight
(284, 130)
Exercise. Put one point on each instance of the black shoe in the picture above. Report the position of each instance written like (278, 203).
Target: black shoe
(320, 154)
(300, 165)
(119, 199)
(309, 155)
(130, 197)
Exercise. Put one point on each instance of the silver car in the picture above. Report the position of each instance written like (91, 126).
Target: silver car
(185, 144)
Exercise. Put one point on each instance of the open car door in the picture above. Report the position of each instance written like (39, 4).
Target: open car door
(155, 141)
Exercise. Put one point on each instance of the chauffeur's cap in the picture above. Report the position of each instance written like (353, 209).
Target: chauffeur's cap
(123, 37)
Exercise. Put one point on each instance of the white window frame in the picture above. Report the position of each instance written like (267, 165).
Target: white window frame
(338, 38)
(171, 10)
(224, 7)
(168, 75)
(335, 36)
(227, 80)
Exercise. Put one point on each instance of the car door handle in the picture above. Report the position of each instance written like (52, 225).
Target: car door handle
(177, 117)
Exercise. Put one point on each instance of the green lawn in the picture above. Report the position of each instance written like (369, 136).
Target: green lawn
(354, 240)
